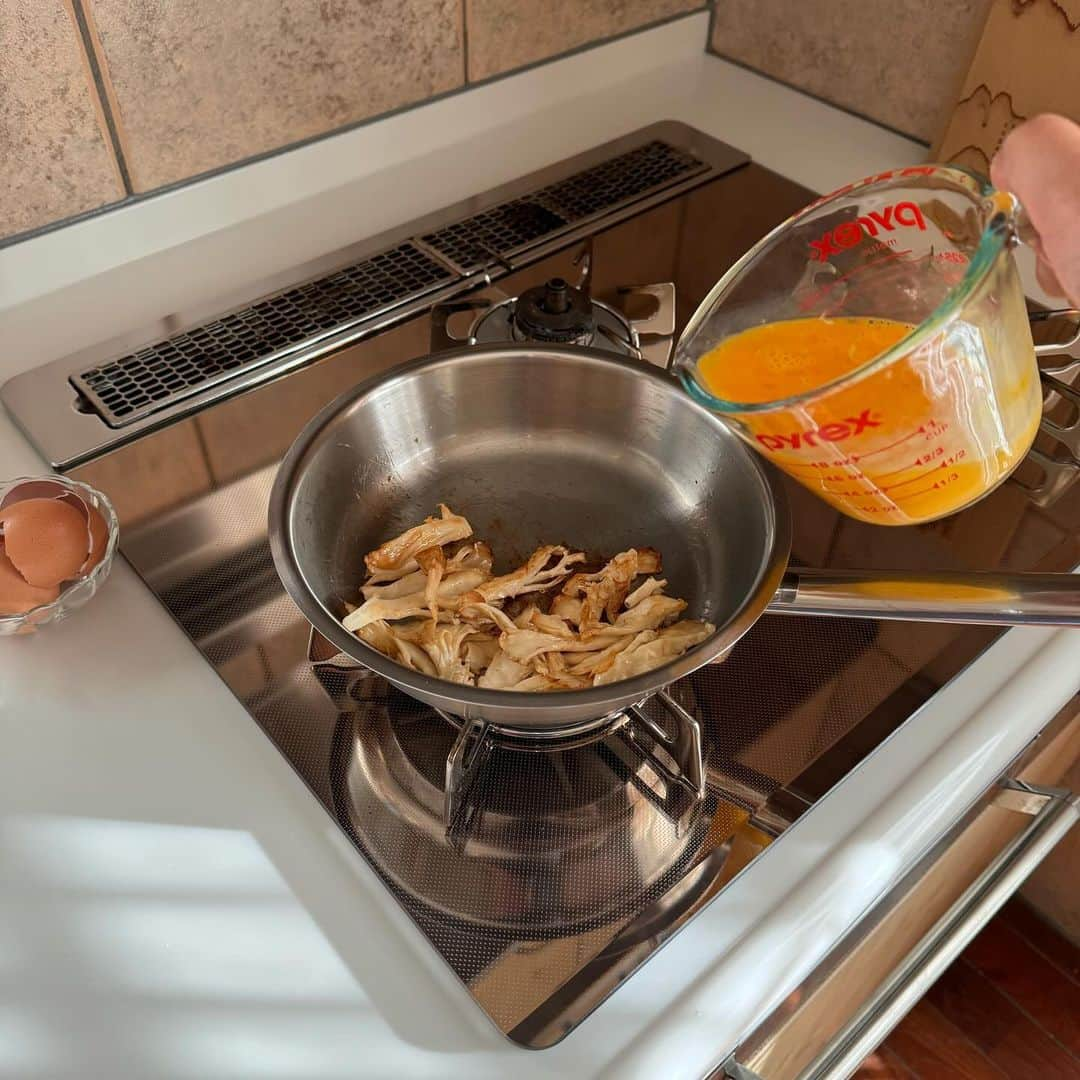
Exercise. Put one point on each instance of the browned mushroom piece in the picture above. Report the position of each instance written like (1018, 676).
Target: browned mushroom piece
(432, 603)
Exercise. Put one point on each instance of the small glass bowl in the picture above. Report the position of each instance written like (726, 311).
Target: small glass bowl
(79, 590)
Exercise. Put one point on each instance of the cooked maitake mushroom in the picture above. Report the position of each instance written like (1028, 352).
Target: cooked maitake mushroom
(435, 532)
(432, 603)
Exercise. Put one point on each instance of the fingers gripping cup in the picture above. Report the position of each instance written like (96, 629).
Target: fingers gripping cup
(876, 346)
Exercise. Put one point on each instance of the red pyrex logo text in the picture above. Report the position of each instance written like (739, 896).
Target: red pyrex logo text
(849, 233)
(834, 432)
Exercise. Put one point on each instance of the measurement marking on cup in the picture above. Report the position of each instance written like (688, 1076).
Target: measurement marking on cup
(812, 466)
(808, 300)
(817, 466)
(896, 472)
(937, 486)
(921, 430)
(910, 480)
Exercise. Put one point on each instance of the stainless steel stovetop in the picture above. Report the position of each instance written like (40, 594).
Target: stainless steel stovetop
(573, 863)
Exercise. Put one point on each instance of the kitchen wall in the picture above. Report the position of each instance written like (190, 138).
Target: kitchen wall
(105, 100)
(899, 62)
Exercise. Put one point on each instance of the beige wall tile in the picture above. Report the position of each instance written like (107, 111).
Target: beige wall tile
(54, 158)
(198, 84)
(899, 62)
(507, 34)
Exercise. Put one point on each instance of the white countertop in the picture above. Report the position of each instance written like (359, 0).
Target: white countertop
(174, 902)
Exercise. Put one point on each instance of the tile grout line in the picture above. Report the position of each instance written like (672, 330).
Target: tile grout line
(465, 42)
(816, 97)
(102, 93)
(134, 197)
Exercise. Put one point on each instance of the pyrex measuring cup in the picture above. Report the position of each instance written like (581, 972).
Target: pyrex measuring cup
(933, 422)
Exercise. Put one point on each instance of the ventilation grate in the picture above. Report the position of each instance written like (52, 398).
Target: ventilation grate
(504, 229)
(628, 176)
(480, 239)
(126, 389)
(129, 388)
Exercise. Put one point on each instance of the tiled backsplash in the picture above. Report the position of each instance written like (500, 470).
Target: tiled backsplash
(197, 84)
(508, 34)
(55, 156)
(101, 100)
(899, 62)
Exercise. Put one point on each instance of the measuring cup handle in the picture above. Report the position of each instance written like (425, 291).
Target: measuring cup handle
(1024, 232)
(993, 599)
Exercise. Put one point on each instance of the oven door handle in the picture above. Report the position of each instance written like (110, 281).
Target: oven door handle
(1054, 811)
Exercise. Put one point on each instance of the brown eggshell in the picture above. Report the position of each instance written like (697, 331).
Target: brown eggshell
(33, 489)
(45, 539)
(76, 501)
(99, 539)
(16, 595)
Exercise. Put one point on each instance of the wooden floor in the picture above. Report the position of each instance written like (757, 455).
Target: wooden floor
(1008, 1007)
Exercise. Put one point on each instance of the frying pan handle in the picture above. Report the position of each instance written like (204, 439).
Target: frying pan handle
(995, 599)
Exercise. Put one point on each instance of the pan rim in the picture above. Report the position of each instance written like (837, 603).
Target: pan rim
(480, 701)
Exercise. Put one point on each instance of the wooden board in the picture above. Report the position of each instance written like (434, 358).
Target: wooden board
(1027, 62)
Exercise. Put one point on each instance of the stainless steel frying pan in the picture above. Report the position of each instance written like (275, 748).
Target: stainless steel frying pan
(546, 445)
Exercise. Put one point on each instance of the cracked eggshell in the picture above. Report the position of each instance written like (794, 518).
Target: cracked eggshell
(45, 540)
(99, 539)
(16, 594)
(33, 489)
(97, 529)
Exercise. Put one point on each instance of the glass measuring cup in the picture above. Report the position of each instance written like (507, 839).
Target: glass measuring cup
(919, 259)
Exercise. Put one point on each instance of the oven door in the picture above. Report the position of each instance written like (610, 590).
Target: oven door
(844, 1010)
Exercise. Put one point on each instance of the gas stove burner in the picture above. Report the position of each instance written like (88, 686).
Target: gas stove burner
(555, 312)
(542, 842)
(672, 751)
(668, 742)
(639, 323)
(530, 318)
(562, 738)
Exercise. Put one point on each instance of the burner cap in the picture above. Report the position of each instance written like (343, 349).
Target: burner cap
(555, 312)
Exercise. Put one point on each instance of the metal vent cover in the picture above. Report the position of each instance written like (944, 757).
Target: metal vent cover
(511, 226)
(130, 387)
(197, 352)
(486, 236)
(628, 176)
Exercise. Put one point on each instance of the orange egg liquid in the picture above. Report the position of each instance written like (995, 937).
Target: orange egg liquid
(913, 441)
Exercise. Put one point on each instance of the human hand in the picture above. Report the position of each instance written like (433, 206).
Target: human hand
(1039, 162)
